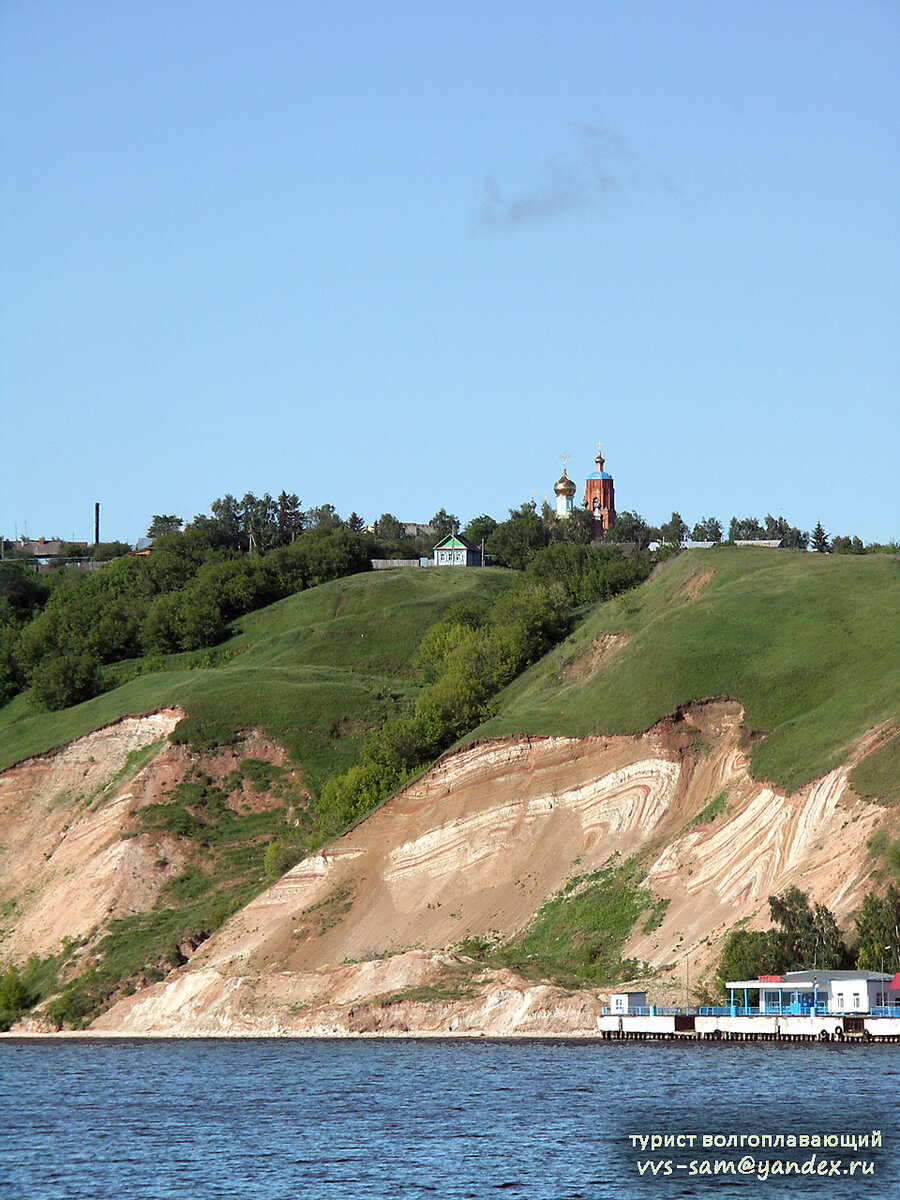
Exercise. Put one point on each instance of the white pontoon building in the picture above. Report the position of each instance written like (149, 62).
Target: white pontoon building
(800, 993)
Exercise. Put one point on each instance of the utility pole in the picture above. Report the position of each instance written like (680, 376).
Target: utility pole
(687, 981)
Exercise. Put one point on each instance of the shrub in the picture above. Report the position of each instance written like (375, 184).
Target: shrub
(281, 855)
(66, 679)
(15, 997)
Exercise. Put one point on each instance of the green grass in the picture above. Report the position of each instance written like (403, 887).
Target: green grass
(710, 811)
(315, 671)
(431, 993)
(808, 643)
(877, 776)
(577, 936)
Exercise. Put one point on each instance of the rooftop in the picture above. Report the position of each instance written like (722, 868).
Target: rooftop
(811, 976)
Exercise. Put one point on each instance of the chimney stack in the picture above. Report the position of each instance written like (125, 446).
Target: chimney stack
(97, 523)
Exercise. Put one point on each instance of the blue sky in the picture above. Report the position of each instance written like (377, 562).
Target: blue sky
(402, 255)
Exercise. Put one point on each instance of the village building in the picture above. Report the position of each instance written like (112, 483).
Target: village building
(627, 1002)
(456, 551)
(41, 550)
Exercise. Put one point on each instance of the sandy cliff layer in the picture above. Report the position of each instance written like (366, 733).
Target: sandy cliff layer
(360, 937)
(73, 858)
(67, 864)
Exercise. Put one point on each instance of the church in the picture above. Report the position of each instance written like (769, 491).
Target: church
(599, 495)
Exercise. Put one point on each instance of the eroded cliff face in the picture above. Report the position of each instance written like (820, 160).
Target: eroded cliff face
(74, 855)
(359, 938)
(67, 864)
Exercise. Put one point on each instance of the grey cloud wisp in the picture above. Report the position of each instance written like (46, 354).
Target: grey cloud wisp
(572, 181)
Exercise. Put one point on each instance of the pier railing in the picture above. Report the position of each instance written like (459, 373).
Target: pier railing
(738, 1010)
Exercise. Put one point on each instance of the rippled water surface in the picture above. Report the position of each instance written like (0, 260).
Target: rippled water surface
(340, 1119)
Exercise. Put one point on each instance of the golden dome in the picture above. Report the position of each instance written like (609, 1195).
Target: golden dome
(564, 486)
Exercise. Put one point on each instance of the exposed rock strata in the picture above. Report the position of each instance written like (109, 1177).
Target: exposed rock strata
(476, 846)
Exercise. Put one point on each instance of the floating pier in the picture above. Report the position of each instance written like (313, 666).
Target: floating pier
(779, 1028)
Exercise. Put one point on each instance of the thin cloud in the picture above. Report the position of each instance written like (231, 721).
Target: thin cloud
(571, 182)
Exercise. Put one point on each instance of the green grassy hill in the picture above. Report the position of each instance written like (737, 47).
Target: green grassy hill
(808, 643)
(315, 671)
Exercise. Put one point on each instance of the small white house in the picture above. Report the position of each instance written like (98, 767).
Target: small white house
(622, 1003)
(456, 551)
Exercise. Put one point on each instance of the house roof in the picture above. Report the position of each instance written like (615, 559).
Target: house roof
(455, 541)
(792, 979)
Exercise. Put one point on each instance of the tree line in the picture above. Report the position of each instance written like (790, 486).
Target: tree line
(631, 527)
(63, 633)
(806, 936)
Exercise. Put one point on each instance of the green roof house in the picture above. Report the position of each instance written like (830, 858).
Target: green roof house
(456, 551)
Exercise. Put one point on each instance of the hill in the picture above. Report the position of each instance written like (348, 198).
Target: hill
(687, 751)
(314, 671)
(808, 644)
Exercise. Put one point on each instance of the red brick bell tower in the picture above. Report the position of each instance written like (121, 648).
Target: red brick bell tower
(599, 496)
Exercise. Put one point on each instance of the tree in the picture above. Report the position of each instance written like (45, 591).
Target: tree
(164, 524)
(577, 528)
(289, 519)
(674, 531)
(259, 525)
(589, 573)
(847, 545)
(444, 523)
(745, 529)
(778, 529)
(630, 527)
(820, 539)
(324, 519)
(804, 938)
(479, 529)
(707, 530)
(21, 591)
(745, 955)
(355, 523)
(878, 931)
(227, 520)
(389, 528)
(807, 936)
(515, 542)
(65, 679)
(16, 997)
(106, 551)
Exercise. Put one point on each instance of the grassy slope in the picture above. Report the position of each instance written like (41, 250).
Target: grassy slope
(316, 670)
(808, 643)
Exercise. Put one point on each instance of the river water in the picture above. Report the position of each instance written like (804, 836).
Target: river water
(334, 1120)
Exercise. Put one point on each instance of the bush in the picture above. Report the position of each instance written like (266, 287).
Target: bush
(281, 855)
(66, 679)
(348, 797)
(589, 573)
(15, 997)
